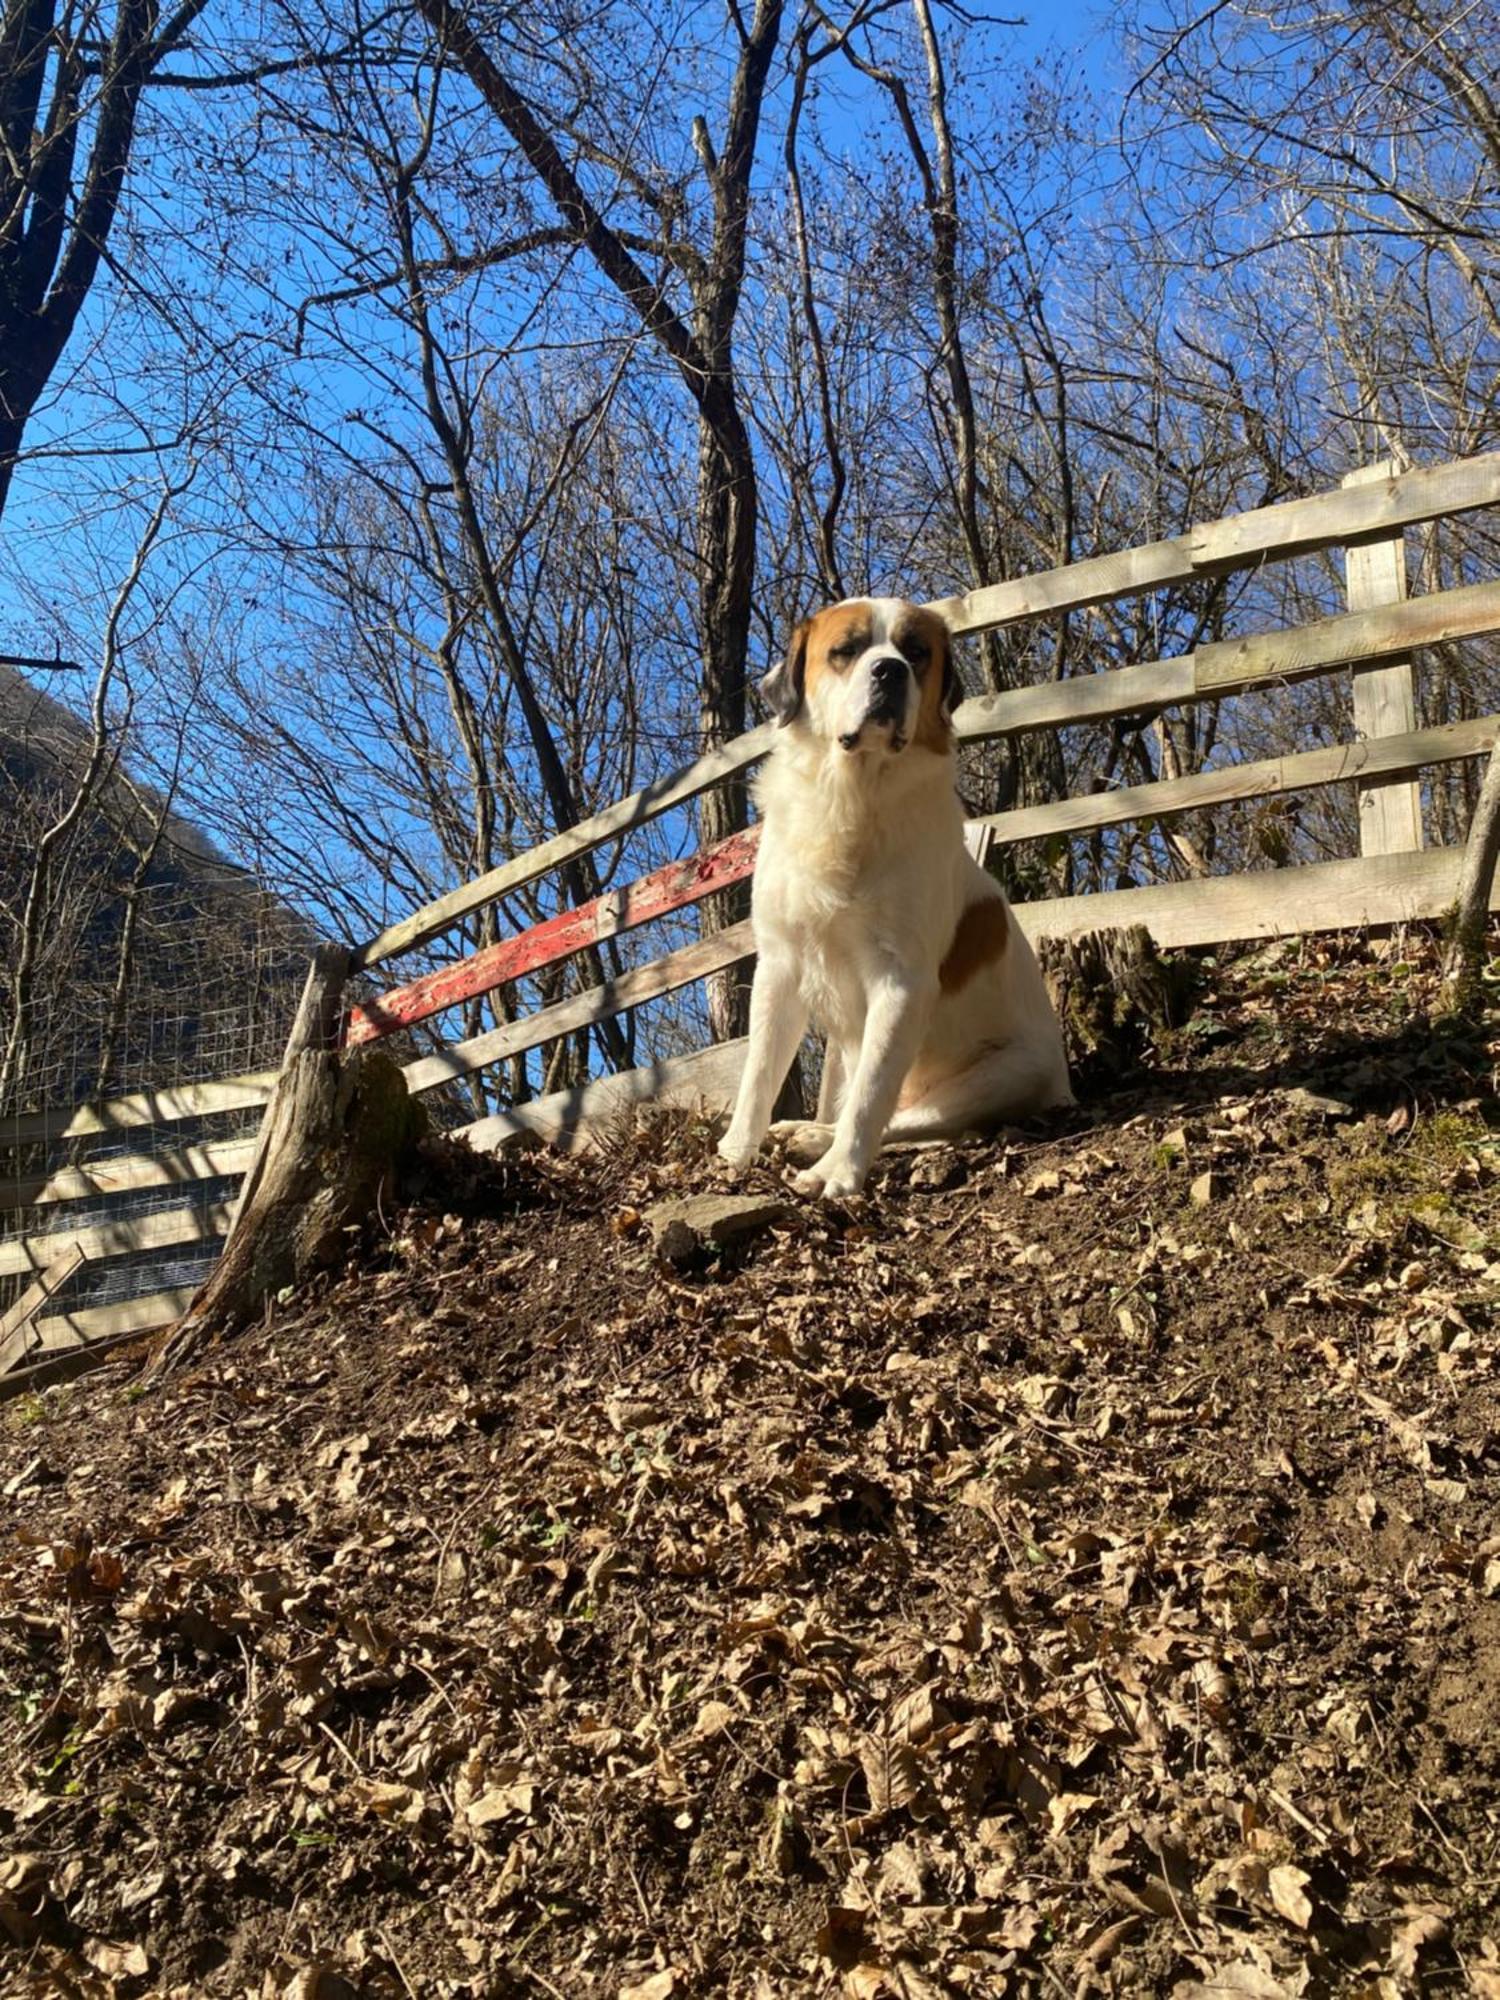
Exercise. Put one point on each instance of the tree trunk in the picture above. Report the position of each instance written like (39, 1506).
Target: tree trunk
(1463, 959)
(1114, 994)
(702, 353)
(332, 1137)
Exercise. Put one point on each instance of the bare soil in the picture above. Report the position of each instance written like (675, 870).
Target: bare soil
(1074, 1570)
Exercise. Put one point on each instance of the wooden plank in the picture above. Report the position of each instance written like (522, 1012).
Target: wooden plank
(142, 1107)
(1305, 770)
(670, 888)
(1377, 889)
(143, 1315)
(1290, 528)
(15, 1324)
(616, 996)
(1384, 697)
(1352, 636)
(117, 1239)
(642, 806)
(86, 1181)
(1299, 527)
(1231, 666)
(63, 1364)
(979, 838)
(708, 1079)
(1094, 580)
(1085, 698)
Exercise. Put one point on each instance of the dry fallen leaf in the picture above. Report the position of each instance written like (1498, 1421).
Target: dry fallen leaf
(1421, 1930)
(1288, 1887)
(660, 1986)
(116, 1961)
(385, 1800)
(501, 1802)
(1241, 1980)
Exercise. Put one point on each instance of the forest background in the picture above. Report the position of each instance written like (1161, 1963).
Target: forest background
(421, 425)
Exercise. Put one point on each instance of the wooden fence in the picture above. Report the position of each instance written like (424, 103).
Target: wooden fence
(90, 1219)
(1393, 879)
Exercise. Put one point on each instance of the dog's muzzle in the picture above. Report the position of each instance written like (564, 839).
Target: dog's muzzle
(887, 709)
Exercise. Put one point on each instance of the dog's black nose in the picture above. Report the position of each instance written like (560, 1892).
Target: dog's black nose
(888, 670)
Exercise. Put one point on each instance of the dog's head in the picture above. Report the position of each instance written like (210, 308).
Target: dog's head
(870, 675)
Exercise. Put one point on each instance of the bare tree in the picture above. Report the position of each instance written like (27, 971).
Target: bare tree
(72, 74)
(697, 339)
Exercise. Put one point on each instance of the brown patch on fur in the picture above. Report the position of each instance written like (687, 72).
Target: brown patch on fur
(933, 729)
(827, 629)
(978, 940)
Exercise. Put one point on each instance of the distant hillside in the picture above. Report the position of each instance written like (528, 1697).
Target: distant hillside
(155, 955)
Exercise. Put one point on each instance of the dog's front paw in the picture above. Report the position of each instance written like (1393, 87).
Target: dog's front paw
(830, 1179)
(736, 1153)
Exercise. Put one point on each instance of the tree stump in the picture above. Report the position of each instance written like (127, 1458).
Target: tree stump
(1468, 922)
(1114, 994)
(334, 1133)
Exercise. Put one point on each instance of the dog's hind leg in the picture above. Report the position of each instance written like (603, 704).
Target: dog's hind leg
(1012, 1082)
(803, 1140)
(778, 1021)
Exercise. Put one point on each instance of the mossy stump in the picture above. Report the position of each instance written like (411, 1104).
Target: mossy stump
(1115, 995)
(335, 1133)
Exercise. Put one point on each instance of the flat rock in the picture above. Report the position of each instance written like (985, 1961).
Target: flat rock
(683, 1228)
(936, 1169)
(1314, 1104)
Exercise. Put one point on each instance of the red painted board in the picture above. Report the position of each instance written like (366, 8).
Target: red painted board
(669, 888)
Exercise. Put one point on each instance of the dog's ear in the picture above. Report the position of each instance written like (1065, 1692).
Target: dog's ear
(785, 685)
(953, 687)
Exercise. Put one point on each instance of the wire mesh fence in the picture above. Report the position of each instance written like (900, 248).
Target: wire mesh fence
(131, 1114)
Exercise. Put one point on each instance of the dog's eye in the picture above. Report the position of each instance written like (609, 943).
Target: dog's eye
(916, 650)
(846, 650)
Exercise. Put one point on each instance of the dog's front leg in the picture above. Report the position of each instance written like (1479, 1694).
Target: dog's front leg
(895, 1019)
(778, 1021)
(831, 1089)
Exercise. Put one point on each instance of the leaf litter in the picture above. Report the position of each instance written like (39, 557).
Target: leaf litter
(1076, 1569)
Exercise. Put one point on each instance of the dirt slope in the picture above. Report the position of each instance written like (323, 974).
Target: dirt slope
(1076, 1572)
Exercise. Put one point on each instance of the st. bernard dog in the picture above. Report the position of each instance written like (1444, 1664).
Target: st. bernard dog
(871, 918)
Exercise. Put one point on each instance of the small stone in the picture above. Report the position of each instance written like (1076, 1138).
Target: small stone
(1313, 1104)
(936, 1170)
(1208, 1187)
(684, 1228)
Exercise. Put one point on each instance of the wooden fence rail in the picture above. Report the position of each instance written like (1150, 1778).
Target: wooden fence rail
(52, 1258)
(169, 1105)
(217, 1159)
(671, 888)
(1290, 528)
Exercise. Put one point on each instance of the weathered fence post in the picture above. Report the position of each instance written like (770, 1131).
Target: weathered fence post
(332, 1134)
(1390, 809)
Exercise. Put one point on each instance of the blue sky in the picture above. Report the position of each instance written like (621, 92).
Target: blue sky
(67, 539)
